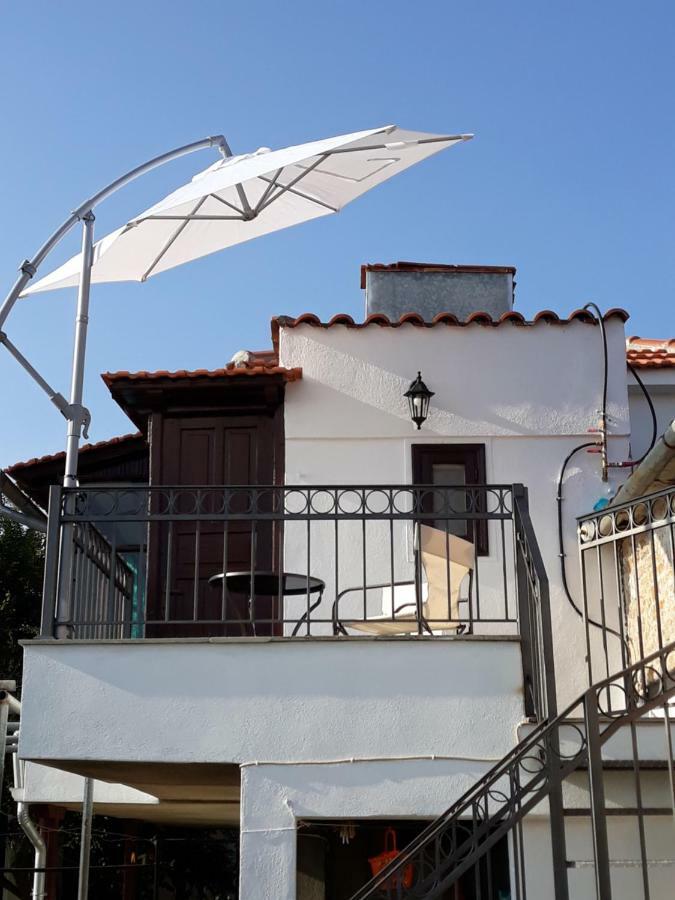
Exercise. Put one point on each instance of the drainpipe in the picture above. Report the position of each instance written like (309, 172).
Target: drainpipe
(28, 826)
(31, 831)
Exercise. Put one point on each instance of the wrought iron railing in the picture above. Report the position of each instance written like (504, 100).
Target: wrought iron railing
(102, 584)
(567, 758)
(627, 563)
(297, 561)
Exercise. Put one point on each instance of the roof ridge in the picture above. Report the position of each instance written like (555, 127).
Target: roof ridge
(513, 317)
(231, 370)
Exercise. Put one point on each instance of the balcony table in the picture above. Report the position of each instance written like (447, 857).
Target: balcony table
(272, 584)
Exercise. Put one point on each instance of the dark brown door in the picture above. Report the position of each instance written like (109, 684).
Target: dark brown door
(453, 466)
(201, 452)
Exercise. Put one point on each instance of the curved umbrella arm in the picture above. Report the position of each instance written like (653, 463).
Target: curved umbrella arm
(29, 267)
(77, 415)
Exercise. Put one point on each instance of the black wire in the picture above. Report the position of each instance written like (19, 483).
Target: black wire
(605, 356)
(651, 410)
(559, 497)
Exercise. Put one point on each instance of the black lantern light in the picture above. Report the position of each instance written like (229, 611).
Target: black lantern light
(418, 395)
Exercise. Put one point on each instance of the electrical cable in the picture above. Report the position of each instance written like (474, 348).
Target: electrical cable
(559, 498)
(561, 542)
(651, 410)
(601, 322)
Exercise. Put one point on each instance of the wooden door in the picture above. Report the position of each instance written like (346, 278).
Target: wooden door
(211, 451)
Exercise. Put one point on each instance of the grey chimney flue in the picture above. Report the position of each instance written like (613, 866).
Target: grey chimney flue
(428, 289)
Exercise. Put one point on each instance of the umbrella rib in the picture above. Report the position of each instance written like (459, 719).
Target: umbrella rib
(287, 187)
(298, 194)
(248, 212)
(190, 217)
(271, 182)
(172, 239)
(433, 140)
(225, 202)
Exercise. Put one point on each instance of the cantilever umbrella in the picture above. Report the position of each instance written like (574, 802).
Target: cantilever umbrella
(243, 197)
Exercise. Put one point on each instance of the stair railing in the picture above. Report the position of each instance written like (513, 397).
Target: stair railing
(462, 837)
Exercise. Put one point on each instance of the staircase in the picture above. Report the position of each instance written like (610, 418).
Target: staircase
(534, 778)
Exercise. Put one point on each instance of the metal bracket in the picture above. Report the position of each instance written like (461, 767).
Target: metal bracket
(84, 217)
(80, 417)
(28, 268)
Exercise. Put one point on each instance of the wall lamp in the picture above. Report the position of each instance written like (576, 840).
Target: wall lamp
(418, 395)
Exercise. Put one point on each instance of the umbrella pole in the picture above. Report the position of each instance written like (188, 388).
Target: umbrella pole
(78, 415)
(29, 267)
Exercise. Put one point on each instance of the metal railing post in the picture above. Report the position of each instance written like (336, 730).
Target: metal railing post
(539, 640)
(603, 884)
(525, 625)
(85, 842)
(52, 553)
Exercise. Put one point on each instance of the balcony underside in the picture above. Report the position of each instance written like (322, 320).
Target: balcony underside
(177, 794)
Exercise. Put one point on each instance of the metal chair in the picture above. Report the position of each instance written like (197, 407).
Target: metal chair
(447, 561)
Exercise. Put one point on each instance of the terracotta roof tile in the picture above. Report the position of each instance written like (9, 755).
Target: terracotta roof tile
(229, 371)
(52, 457)
(477, 318)
(650, 353)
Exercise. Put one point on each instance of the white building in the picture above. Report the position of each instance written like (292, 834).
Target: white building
(389, 674)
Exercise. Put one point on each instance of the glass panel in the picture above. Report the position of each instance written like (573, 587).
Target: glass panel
(450, 474)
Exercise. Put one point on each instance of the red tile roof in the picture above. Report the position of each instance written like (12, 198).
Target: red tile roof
(264, 362)
(477, 318)
(433, 267)
(650, 353)
(53, 457)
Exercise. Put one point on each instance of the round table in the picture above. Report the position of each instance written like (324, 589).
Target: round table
(272, 584)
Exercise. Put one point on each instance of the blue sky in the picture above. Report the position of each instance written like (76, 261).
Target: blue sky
(569, 178)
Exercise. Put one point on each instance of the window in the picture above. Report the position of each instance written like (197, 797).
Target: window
(452, 465)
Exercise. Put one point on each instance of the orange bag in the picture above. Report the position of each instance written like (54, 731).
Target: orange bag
(377, 863)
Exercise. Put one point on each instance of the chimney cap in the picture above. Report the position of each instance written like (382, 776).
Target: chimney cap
(403, 266)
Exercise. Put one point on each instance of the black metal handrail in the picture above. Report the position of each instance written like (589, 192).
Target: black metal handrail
(460, 840)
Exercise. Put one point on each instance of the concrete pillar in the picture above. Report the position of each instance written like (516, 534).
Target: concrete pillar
(268, 845)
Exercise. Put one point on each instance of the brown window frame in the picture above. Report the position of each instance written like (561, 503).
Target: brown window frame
(472, 457)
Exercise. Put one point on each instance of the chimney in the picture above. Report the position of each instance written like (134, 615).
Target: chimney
(429, 289)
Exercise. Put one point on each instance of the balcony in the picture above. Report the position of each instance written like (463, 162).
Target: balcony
(130, 562)
(627, 558)
(349, 656)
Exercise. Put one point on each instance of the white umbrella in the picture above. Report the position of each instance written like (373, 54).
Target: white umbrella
(243, 197)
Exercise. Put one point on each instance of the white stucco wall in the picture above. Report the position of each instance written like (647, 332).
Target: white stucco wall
(274, 798)
(530, 394)
(233, 701)
(660, 384)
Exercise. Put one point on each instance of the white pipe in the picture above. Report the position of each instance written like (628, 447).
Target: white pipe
(77, 423)
(28, 826)
(31, 831)
(649, 470)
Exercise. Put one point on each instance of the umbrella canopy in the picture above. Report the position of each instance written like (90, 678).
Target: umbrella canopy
(243, 197)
